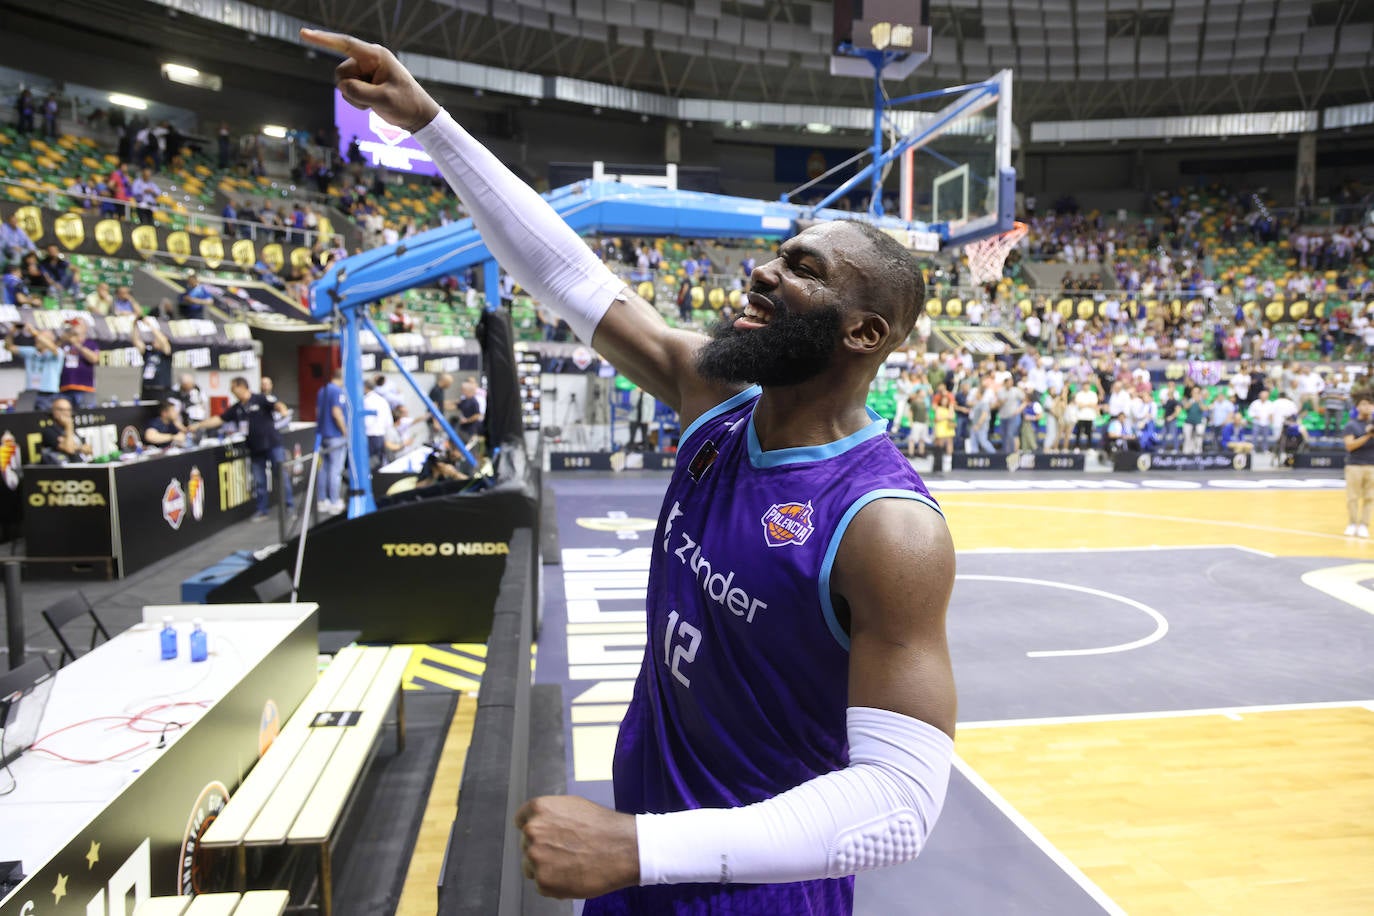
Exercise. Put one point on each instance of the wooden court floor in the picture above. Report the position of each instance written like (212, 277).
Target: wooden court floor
(1234, 812)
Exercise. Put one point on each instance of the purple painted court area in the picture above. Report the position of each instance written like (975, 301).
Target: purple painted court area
(977, 861)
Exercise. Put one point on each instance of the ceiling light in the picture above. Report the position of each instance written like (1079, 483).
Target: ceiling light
(817, 127)
(275, 131)
(128, 101)
(745, 125)
(190, 76)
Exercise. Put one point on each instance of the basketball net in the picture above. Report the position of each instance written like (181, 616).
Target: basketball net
(986, 256)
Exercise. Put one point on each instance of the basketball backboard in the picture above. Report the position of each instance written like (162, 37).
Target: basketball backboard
(957, 169)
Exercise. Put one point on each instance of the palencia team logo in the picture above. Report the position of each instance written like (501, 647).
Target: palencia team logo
(787, 523)
(195, 493)
(269, 726)
(9, 460)
(174, 504)
(194, 867)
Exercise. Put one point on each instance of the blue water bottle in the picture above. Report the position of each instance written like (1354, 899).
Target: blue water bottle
(169, 639)
(199, 648)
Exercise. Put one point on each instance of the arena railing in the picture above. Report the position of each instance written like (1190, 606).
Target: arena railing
(481, 873)
(964, 292)
(64, 201)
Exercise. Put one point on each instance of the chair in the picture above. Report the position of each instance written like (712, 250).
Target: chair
(64, 612)
(274, 588)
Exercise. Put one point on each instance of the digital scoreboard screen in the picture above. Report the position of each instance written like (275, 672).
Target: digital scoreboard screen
(382, 145)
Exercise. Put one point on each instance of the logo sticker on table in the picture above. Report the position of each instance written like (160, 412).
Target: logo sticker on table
(174, 504)
(199, 870)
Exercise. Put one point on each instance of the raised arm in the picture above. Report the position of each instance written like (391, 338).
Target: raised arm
(528, 238)
(160, 341)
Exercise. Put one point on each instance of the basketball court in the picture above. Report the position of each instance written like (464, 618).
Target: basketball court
(1166, 701)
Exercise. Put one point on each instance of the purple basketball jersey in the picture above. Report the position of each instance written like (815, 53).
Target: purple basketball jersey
(744, 686)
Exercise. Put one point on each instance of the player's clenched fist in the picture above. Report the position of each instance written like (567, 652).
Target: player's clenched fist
(576, 848)
(372, 77)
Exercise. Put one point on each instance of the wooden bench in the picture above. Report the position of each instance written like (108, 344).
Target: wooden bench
(253, 903)
(299, 792)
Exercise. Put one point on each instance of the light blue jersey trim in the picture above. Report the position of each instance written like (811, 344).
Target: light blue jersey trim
(781, 456)
(725, 406)
(827, 608)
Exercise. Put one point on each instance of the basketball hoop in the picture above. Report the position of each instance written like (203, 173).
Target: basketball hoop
(986, 256)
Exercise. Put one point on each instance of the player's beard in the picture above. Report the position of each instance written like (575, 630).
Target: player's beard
(792, 348)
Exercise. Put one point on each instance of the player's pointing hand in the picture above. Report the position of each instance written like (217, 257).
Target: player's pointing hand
(372, 77)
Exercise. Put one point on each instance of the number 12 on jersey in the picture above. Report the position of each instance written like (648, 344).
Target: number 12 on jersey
(688, 640)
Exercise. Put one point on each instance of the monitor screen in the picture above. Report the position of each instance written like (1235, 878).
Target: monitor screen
(382, 145)
(20, 717)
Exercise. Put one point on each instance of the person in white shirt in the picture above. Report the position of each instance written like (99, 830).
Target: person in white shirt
(922, 333)
(1120, 400)
(975, 313)
(1310, 387)
(402, 433)
(1085, 402)
(1240, 383)
(1112, 310)
(376, 419)
(1262, 421)
(1054, 380)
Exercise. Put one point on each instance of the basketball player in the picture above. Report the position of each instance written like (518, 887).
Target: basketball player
(792, 722)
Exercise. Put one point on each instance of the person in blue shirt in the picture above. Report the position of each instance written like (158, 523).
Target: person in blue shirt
(59, 272)
(196, 298)
(264, 272)
(13, 290)
(329, 414)
(14, 241)
(43, 361)
(257, 414)
(1233, 435)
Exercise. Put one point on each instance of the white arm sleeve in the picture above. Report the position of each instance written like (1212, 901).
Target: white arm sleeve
(878, 811)
(528, 238)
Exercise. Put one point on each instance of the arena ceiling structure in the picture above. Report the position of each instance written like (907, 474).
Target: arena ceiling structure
(767, 62)
(1073, 59)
